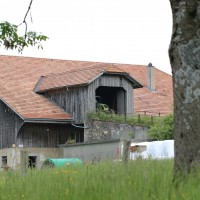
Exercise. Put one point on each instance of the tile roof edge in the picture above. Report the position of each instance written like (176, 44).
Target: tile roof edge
(48, 120)
(93, 79)
(56, 59)
(72, 71)
(61, 87)
(41, 120)
(76, 60)
(36, 88)
(127, 75)
(11, 108)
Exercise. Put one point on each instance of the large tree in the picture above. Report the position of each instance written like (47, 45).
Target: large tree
(184, 53)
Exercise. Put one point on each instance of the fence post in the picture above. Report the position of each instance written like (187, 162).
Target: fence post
(139, 118)
(126, 150)
(23, 162)
(151, 119)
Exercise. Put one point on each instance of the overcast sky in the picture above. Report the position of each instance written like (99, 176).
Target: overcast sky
(116, 31)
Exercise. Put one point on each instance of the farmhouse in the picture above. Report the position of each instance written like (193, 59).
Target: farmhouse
(44, 102)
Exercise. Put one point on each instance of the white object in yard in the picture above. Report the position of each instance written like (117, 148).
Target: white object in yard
(154, 150)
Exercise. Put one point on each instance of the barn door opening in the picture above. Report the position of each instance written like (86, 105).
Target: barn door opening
(113, 97)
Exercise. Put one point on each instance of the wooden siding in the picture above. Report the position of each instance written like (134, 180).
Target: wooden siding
(33, 135)
(47, 135)
(77, 101)
(9, 126)
(73, 100)
(111, 81)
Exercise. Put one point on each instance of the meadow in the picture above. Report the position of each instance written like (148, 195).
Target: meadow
(136, 180)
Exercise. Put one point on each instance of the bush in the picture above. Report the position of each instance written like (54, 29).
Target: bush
(162, 129)
(137, 120)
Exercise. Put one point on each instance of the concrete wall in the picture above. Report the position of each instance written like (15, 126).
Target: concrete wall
(102, 142)
(88, 152)
(106, 131)
(13, 155)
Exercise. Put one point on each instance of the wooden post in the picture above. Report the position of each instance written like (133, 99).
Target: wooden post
(126, 150)
(139, 118)
(23, 162)
(151, 119)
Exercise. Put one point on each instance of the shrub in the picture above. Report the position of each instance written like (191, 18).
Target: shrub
(137, 120)
(162, 129)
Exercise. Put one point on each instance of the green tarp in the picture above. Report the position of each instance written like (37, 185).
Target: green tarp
(60, 162)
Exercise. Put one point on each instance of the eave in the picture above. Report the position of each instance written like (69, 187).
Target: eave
(38, 120)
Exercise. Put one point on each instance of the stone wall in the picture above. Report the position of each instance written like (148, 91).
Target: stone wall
(106, 131)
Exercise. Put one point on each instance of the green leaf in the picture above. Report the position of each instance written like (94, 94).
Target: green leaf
(162, 129)
(10, 39)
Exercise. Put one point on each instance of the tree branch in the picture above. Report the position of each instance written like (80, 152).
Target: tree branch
(29, 7)
(24, 21)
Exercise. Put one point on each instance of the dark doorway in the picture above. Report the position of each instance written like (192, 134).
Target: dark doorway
(32, 161)
(114, 97)
(4, 161)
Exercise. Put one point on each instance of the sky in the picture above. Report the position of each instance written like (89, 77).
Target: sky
(113, 31)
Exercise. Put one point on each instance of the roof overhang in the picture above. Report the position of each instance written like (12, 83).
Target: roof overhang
(47, 121)
(38, 120)
(11, 108)
(135, 84)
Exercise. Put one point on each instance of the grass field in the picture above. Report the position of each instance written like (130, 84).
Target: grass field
(137, 180)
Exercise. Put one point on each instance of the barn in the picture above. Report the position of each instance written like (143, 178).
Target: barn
(44, 102)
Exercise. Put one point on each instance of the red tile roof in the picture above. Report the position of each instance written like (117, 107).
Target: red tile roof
(19, 76)
(155, 102)
(67, 79)
(77, 77)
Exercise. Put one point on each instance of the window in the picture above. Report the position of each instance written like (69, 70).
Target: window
(32, 161)
(4, 161)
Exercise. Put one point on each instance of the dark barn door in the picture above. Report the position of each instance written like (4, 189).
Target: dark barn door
(114, 97)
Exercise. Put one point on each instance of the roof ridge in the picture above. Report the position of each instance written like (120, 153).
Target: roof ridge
(100, 65)
(72, 71)
(74, 60)
(56, 59)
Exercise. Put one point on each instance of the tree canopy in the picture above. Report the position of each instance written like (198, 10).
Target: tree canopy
(10, 39)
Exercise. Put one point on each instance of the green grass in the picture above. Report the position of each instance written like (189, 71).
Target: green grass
(137, 180)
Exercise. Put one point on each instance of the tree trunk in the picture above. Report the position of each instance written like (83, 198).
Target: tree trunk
(184, 53)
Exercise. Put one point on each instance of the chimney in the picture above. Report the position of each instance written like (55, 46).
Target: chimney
(151, 77)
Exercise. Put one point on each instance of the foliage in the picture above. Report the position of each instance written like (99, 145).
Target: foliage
(141, 179)
(140, 120)
(137, 120)
(10, 39)
(162, 129)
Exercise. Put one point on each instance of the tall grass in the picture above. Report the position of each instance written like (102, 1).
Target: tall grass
(137, 180)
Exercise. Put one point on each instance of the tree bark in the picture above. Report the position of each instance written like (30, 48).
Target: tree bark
(184, 53)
